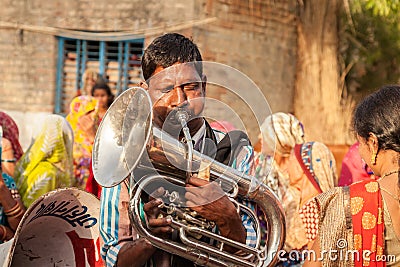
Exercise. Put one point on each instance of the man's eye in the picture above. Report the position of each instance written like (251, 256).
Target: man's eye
(191, 86)
(167, 89)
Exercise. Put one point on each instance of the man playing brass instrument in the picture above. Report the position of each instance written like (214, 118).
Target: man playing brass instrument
(180, 86)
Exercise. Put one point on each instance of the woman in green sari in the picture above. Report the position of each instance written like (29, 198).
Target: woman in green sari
(47, 164)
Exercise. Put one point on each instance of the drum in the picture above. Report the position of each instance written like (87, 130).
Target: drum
(58, 229)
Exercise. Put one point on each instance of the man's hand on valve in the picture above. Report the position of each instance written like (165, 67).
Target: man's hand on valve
(209, 201)
(158, 225)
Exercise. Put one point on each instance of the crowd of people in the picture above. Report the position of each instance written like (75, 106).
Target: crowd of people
(360, 205)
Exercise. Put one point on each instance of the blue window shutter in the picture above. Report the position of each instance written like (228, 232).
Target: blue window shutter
(125, 68)
(83, 64)
(120, 67)
(59, 76)
(78, 58)
(117, 61)
(102, 58)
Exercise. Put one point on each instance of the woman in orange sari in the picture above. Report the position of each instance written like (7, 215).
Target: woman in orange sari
(82, 149)
(85, 117)
(361, 223)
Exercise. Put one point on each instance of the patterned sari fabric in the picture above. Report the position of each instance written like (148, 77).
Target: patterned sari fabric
(318, 164)
(47, 164)
(364, 225)
(10, 132)
(368, 223)
(82, 150)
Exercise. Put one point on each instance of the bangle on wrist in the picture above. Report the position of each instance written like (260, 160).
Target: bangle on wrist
(9, 160)
(14, 211)
(14, 208)
(15, 214)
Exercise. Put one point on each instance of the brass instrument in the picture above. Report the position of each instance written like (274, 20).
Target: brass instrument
(128, 143)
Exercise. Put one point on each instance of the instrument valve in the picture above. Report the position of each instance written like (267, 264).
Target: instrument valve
(172, 197)
(171, 209)
(193, 213)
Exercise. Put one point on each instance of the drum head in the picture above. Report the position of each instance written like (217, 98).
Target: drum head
(59, 229)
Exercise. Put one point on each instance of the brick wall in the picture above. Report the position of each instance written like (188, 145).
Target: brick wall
(27, 70)
(254, 36)
(29, 57)
(258, 38)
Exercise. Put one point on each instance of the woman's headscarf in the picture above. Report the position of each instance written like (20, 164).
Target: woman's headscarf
(10, 132)
(318, 163)
(281, 131)
(47, 164)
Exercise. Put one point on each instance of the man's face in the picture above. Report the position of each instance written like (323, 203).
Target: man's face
(179, 86)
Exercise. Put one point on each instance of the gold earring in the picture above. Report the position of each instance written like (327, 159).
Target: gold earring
(373, 158)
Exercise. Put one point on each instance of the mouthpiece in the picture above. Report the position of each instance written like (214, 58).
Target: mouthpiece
(182, 116)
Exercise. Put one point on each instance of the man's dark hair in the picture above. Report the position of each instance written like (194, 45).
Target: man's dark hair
(168, 49)
(378, 113)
